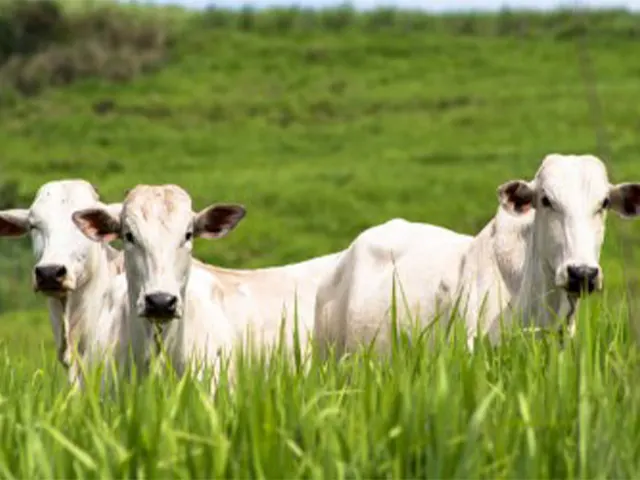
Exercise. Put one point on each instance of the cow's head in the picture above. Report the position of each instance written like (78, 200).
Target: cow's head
(571, 195)
(62, 253)
(157, 226)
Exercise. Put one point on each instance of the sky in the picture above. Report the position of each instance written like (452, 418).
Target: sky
(430, 5)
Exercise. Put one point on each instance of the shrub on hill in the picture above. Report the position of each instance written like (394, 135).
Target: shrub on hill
(43, 43)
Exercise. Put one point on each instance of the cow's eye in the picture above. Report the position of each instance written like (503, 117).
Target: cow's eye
(546, 203)
(606, 203)
(128, 237)
(188, 236)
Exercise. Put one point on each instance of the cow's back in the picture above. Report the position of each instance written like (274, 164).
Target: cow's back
(258, 300)
(354, 300)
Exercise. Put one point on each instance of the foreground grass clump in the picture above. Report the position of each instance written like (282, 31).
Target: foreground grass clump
(529, 409)
(45, 42)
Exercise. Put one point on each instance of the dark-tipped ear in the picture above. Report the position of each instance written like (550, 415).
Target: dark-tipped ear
(216, 221)
(516, 197)
(14, 223)
(97, 224)
(625, 199)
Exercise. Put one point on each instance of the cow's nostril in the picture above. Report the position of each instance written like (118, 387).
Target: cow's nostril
(61, 271)
(592, 273)
(39, 271)
(171, 304)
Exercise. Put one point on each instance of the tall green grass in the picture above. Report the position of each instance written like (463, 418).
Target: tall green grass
(527, 409)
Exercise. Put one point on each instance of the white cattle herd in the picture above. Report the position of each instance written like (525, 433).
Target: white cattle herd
(528, 266)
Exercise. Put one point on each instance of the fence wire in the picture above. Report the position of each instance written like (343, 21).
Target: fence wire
(604, 149)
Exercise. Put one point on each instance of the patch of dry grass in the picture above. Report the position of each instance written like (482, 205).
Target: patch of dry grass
(42, 43)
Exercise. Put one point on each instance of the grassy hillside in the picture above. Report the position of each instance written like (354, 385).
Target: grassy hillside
(322, 124)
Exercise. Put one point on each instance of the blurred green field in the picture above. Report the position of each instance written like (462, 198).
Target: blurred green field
(323, 124)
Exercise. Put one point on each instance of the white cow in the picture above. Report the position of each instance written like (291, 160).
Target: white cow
(203, 310)
(83, 281)
(532, 261)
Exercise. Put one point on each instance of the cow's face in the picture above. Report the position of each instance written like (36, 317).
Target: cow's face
(62, 253)
(157, 226)
(571, 195)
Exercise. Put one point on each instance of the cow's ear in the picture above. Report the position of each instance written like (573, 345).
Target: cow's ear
(14, 222)
(97, 224)
(216, 221)
(516, 197)
(625, 199)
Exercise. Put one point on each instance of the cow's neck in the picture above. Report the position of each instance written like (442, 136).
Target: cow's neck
(85, 303)
(510, 237)
(539, 303)
(56, 307)
(164, 342)
(494, 265)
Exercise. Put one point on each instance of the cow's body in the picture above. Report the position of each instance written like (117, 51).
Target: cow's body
(355, 300)
(261, 299)
(74, 273)
(532, 261)
(201, 311)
